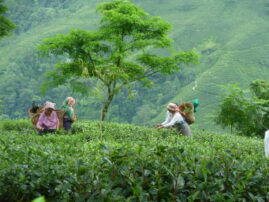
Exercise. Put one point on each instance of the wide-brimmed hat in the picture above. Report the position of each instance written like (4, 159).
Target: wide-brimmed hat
(49, 105)
(172, 106)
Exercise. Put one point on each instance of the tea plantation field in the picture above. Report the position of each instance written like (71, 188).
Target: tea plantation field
(116, 162)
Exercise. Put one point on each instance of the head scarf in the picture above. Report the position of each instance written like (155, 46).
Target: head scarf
(49, 104)
(69, 101)
(68, 107)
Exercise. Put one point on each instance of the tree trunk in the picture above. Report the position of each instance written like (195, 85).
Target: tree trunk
(106, 104)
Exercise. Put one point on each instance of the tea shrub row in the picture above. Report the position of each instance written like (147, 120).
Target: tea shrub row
(117, 162)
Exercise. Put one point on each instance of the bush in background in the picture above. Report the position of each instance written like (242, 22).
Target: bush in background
(246, 112)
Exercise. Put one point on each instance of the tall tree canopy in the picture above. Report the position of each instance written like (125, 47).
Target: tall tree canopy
(128, 46)
(5, 24)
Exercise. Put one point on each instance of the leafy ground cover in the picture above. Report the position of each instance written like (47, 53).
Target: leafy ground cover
(117, 162)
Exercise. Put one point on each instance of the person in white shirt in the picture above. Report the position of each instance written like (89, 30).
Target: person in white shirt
(174, 119)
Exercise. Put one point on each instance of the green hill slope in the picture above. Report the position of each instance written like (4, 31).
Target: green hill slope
(230, 35)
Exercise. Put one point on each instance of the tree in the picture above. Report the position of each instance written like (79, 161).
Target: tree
(230, 109)
(5, 24)
(124, 49)
(260, 89)
(245, 111)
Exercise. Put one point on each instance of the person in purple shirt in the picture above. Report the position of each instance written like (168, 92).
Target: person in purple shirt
(48, 121)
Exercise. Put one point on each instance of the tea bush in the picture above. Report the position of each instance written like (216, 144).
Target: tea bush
(16, 125)
(118, 162)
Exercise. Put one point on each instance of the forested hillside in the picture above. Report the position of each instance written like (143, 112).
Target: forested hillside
(230, 35)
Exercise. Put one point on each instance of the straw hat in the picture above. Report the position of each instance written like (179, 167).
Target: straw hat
(50, 105)
(171, 106)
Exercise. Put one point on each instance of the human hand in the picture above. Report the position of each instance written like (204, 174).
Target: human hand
(40, 128)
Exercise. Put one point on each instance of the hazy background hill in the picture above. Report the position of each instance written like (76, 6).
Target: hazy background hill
(230, 35)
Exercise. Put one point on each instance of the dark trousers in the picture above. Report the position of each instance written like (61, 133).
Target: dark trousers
(67, 124)
(45, 131)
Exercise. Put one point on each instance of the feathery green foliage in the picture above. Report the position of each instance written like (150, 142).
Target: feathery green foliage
(246, 112)
(119, 53)
(5, 24)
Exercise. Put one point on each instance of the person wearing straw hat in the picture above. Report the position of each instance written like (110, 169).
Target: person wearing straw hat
(69, 116)
(48, 120)
(175, 120)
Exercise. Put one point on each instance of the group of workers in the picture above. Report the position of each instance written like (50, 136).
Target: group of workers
(48, 121)
(177, 116)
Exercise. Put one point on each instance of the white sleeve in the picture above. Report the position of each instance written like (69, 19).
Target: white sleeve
(177, 117)
(166, 118)
(266, 143)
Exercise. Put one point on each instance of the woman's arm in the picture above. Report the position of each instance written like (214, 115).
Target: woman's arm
(40, 121)
(166, 118)
(57, 121)
(74, 118)
(177, 117)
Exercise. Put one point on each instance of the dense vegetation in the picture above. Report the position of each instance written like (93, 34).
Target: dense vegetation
(246, 111)
(27, 14)
(230, 35)
(114, 162)
(105, 161)
(123, 50)
(5, 24)
(23, 71)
